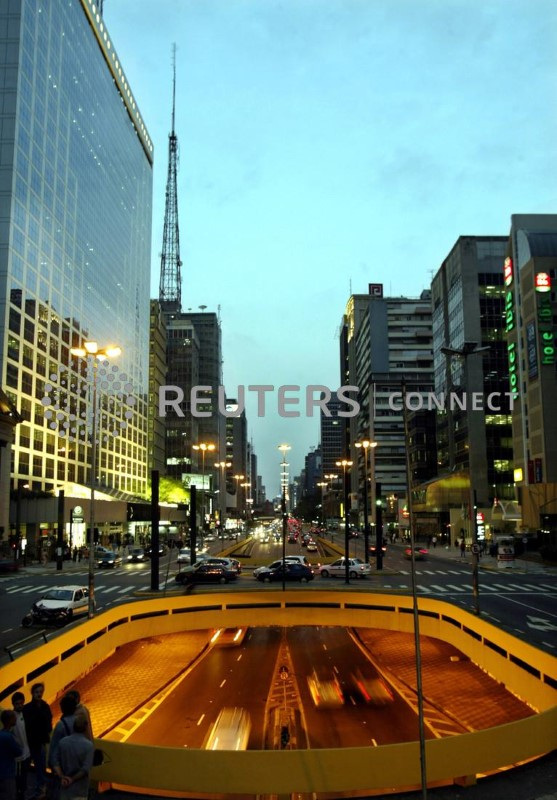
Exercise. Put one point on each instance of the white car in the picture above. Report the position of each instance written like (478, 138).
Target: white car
(74, 600)
(356, 568)
(289, 559)
(183, 556)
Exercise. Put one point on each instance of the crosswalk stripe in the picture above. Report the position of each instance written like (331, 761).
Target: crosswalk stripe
(517, 586)
(32, 589)
(488, 588)
(455, 571)
(457, 588)
(13, 589)
(501, 586)
(107, 589)
(438, 588)
(431, 572)
(548, 586)
(529, 586)
(125, 589)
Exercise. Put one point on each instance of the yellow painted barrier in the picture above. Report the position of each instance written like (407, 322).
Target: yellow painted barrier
(525, 670)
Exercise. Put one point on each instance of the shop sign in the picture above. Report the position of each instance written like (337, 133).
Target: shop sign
(545, 328)
(513, 369)
(542, 282)
(532, 349)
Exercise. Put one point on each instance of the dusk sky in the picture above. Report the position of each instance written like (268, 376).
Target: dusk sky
(327, 144)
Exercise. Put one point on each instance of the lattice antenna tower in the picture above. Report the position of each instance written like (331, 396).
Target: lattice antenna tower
(170, 289)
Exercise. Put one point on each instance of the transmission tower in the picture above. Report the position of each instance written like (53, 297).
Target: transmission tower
(170, 289)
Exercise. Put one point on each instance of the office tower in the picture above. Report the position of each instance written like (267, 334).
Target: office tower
(332, 436)
(468, 306)
(531, 321)
(384, 340)
(75, 222)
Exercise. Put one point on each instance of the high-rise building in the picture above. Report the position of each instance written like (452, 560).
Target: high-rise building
(75, 238)
(468, 306)
(531, 322)
(157, 378)
(332, 447)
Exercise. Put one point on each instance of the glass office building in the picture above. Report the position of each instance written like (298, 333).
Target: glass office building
(75, 240)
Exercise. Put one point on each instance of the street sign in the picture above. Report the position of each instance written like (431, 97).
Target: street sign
(284, 672)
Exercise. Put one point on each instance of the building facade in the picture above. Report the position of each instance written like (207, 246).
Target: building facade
(75, 239)
(530, 277)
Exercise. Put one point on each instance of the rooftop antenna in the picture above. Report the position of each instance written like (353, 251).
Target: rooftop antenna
(170, 288)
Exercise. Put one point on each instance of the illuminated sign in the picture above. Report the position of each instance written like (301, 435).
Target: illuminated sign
(508, 271)
(376, 289)
(518, 474)
(509, 311)
(532, 349)
(513, 371)
(542, 282)
(545, 328)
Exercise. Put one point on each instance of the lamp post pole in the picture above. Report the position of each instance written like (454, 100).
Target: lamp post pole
(365, 445)
(222, 466)
(345, 463)
(238, 478)
(284, 448)
(93, 354)
(331, 478)
(323, 485)
(470, 349)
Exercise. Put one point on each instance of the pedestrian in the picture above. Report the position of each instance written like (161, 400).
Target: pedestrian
(73, 762)
(82, 710)
(434, 541)
(80, 554)
(20, 733)
(462, 548)
(64, 726)
(74, 555)
(10, 750)
(38, 725)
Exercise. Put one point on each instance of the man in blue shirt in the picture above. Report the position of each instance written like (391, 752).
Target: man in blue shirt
(73, 761)
(9, 751)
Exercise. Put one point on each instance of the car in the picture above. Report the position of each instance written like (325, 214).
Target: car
(420, 553)
(136, 554)
(184, 556)
(100, 551)
(162, 550)
(231, 564)
(230, 731)
(356, 568)
(293, 571)
(59, 604)
(8, 565)
(109, 560)
(373, 549)
(311, 546)
(325, 692)
(292, 538)
(278, 562)
(372, 689)
(205, 573)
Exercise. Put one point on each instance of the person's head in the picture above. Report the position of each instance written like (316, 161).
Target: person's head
(8, 719)
(37, 691)
(18, 700)
(75, 694)
(80, 724)
(68, 705)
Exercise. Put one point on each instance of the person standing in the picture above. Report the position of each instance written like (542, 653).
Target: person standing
(20, 734)
(434, 541)
(73, 762)
(83, 710)
(38, 725)
(462, 548)
(64, 726)
(9, 752)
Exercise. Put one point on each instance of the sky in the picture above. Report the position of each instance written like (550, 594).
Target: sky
(327, 144)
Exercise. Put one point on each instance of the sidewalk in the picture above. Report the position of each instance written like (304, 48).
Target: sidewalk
(527, 563)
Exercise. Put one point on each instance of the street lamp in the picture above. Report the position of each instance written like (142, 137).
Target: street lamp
(344, 464)
(93, 353)
(204, 447)
(284, 448)
(323, 485)
(331, 478)
(238, 478)
(245, 487)
(222, 466)
(366, 445)
(470, 349)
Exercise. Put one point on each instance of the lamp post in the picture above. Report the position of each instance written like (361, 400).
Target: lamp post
(222, 466)
(93, 353)
(238, 478)
(366, 445)
(284, 448)
(323, 486)
(331, 478)
(470, 349)
(204, 447)
(345, 463)
(245, 487)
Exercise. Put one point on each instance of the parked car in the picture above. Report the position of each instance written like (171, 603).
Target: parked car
(184, 556)
(293, 571)
(109, 560)
(136, 554)
(205, 573)
(420, 553)
(356, 568)
(8, 565)
(58, 605)
(278, 562)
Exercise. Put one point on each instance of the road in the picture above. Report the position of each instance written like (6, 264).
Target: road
(520, 602)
